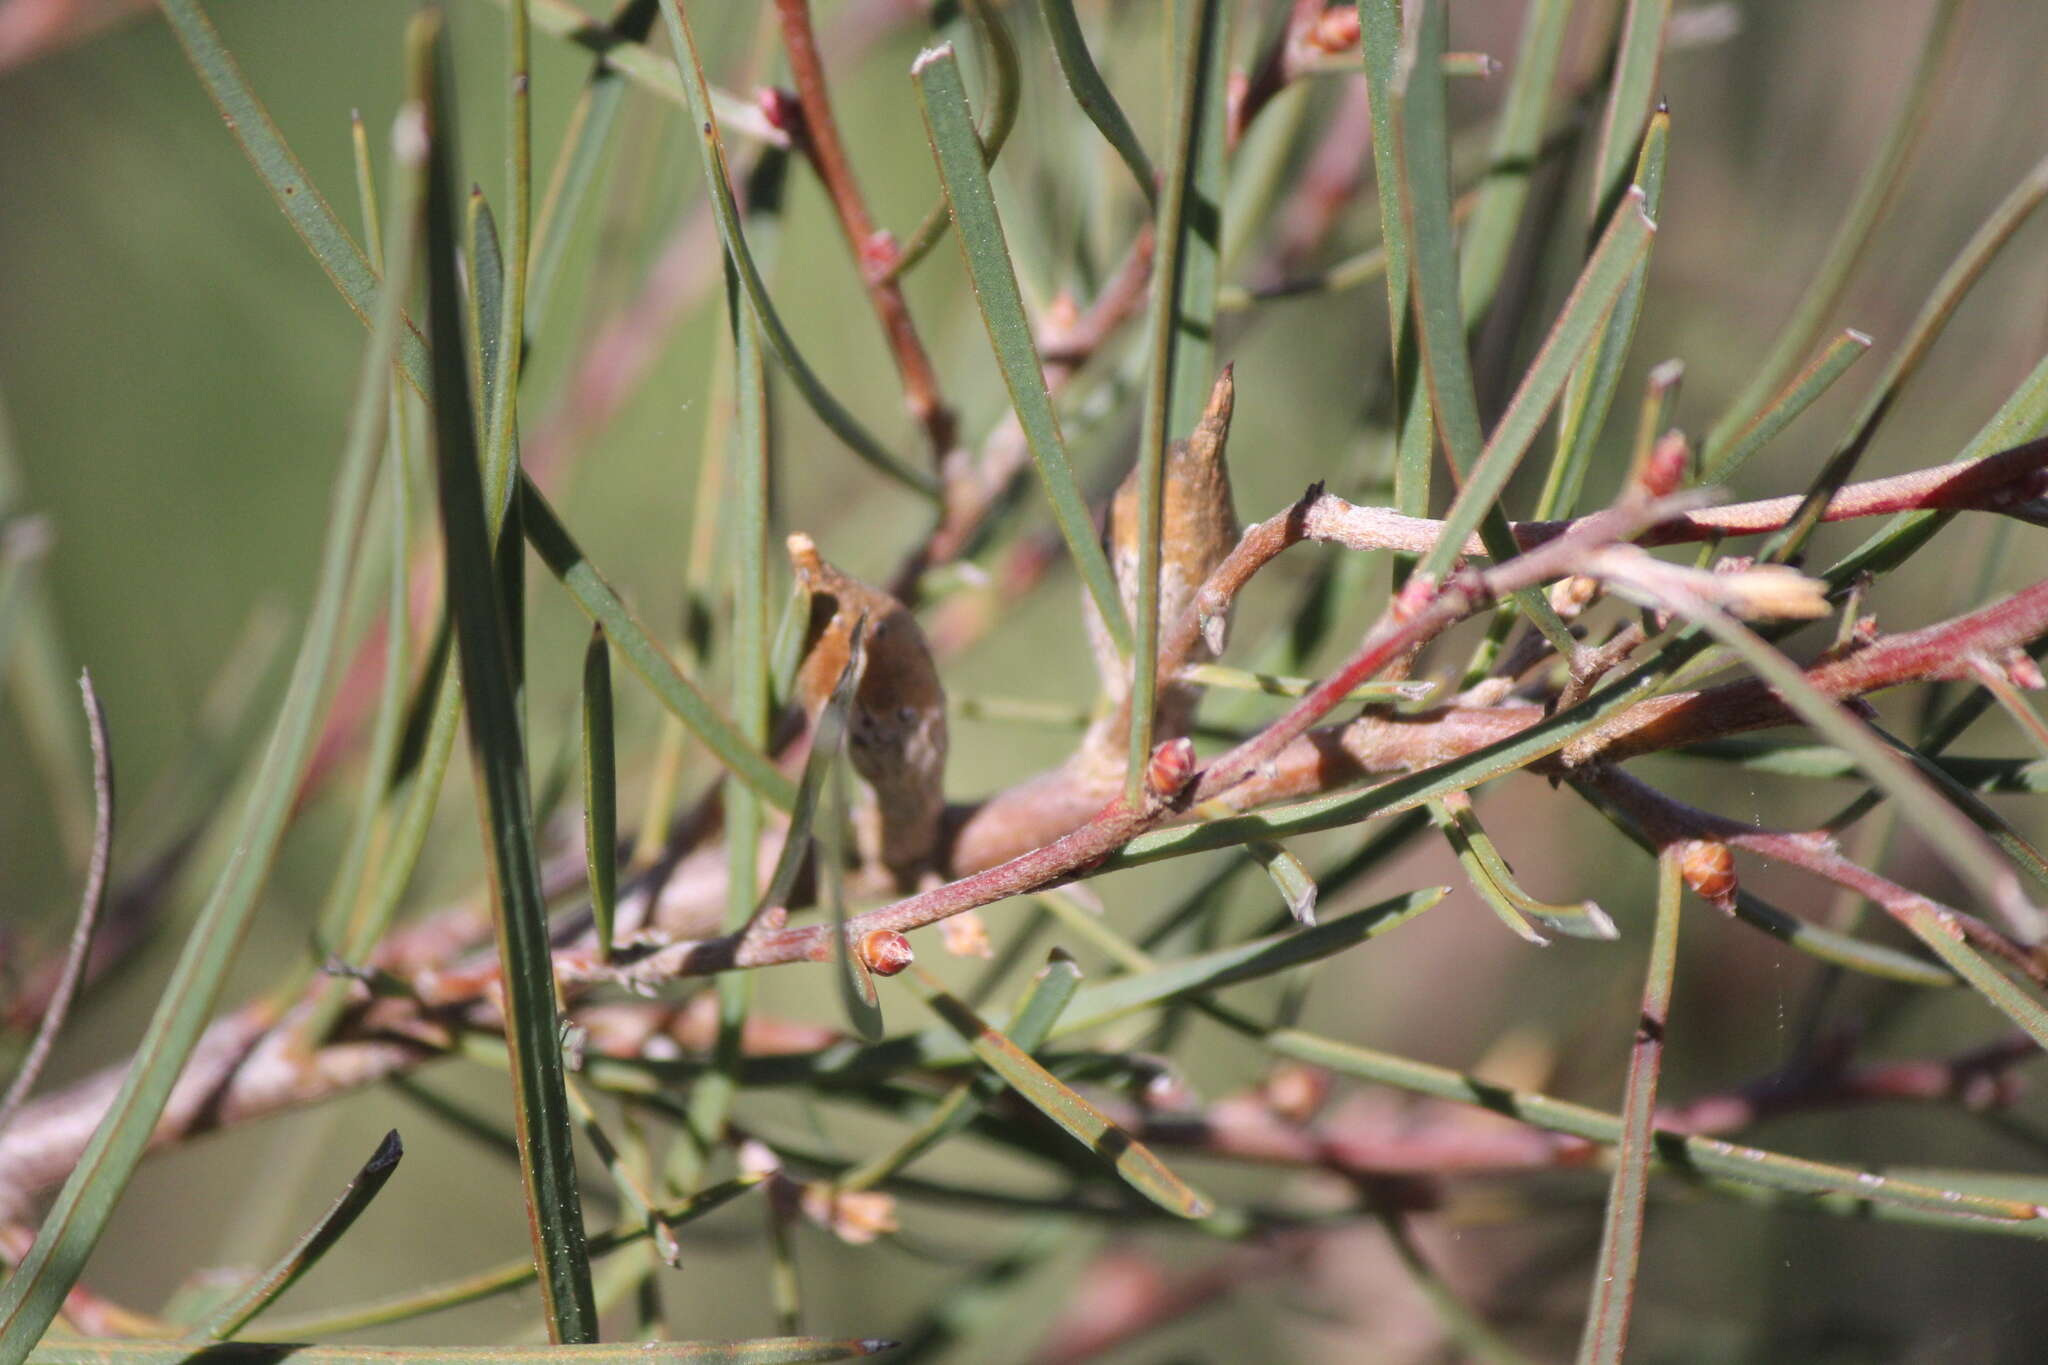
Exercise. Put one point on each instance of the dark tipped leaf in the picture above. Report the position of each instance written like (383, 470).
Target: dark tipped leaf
(600, 789)
(265, 1289)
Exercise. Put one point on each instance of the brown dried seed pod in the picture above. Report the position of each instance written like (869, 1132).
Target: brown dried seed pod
(1198, 528)
(1708, 868)
(885, 952)
(896, 729)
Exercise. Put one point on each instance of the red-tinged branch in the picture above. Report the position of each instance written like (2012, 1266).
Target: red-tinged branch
(873, 254)
(1667, 820)
(1112, 827)
(1421, 613)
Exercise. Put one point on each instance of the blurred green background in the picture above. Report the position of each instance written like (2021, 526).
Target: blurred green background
(176, 369)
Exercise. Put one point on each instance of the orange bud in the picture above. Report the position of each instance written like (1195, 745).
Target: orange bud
(1708, 868)
(885, 952)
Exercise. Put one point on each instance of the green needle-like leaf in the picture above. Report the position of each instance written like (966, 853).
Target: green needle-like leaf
(1621, 1237)
(600, 789)
(1689, 1155)
(565, 559)
(1961, 844)
(1049, 993)
(1589, 395)
(1848, 347)
(1948, 294)
(1608, 272)
(1495, 881)
(1631, 91)
(498, 755)
(958, 152)
(999, 55)
(1874, 194)
(1085, 82)
(1131, 1159)
(725, 211)
(1511, 158)
(33, 1294)
(346, 266)
(266, 1288)
(503, 1279)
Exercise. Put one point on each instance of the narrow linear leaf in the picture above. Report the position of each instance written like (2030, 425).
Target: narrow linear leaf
(725, 212)
(600, 790)
(1873, 196)
(1106, 1001)
(626, 1179)
(346, 266)
(498, 754)
(710, 1106)
(1804, 388)
(1608, 271)
(982, 245)
(1131, 1159)
(1084, 81)
(1032, 1022)
(1415, 432)
(565, 559)
(1495, 881)
(1589, 394)
(1948, 293)
(1961, 844)
(266, 1288)
(1511, 157)
(1941, 936)
(630, 56)
(1621, 1235)
(33, 1294)
(502, 1279)
(501, 398)
(1180, 331)
(999, 57)
(1631, 91)
(584, 142)
(1423, 152)
(1276, 685)
(1687, 1155)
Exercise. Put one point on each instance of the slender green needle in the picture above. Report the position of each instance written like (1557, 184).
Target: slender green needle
(266, 1288)
(1131, 1159)
(1874, 194)
(731, 232)
(1092, 93)
(1621, 1235)
(32, 1295)
(944, 99)
(498, 756)
(600, 789)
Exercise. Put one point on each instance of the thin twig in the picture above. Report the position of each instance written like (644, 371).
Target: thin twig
(90, 903)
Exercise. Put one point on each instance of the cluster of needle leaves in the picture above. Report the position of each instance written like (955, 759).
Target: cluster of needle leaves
(606, 967)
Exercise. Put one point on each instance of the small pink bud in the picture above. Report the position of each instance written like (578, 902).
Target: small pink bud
(1173, 763)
